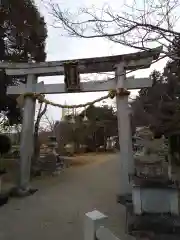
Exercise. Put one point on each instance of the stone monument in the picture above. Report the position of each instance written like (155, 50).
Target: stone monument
(155, 197)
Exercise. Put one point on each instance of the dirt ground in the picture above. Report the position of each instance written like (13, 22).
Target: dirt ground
(57, 210)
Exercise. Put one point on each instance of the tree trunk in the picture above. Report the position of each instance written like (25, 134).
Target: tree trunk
(105, 138)
(174, 149)
(36, 137)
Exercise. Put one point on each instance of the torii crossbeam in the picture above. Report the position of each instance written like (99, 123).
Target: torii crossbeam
(131, 61)
(91, 86)
(119, 64)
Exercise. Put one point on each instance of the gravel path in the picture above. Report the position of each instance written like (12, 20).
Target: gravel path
(56, 211)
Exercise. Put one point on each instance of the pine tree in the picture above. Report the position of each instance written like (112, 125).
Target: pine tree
(22, 38)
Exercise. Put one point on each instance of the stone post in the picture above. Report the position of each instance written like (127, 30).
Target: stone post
(27, 134)
(125, 135)
(93, 220)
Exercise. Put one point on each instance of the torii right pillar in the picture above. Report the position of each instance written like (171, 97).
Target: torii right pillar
(125, 136)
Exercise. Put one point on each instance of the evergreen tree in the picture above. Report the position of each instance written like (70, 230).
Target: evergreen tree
(22, 38)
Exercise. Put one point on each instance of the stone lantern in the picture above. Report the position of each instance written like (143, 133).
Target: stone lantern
(52, 144)
(155, 197)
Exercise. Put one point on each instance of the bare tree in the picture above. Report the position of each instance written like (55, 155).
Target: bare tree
(48, 124)
(41, 111)
(142, 25)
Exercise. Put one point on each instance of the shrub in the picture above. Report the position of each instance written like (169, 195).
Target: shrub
(5, 144)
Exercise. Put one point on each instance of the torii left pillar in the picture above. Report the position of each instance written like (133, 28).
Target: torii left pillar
(27, 135)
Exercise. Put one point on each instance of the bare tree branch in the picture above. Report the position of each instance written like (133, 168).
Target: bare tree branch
(40, 114)
(137, 26)
(42, 110)
(48, 123)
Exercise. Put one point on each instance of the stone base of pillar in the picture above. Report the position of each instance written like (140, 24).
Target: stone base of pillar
(18, 192)
(155, 224)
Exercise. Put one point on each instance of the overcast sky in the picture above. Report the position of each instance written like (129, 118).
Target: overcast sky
(59, 47)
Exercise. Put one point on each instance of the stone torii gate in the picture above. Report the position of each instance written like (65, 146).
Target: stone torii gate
(119, 64)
